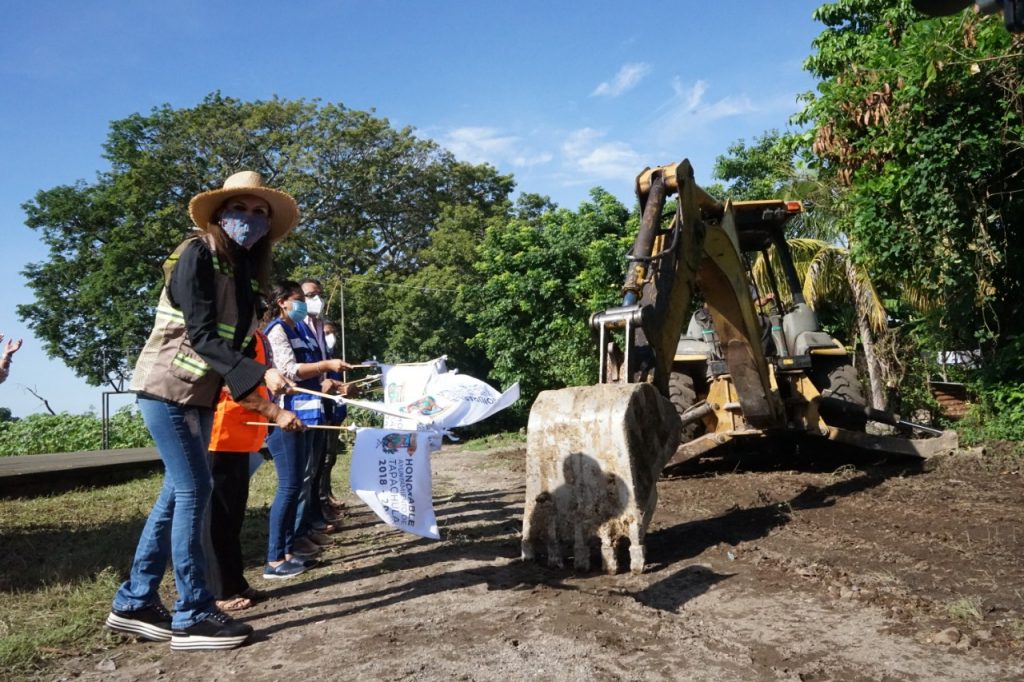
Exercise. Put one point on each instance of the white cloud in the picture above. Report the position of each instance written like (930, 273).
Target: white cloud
(689, 97)
(479, 144)
(688, 109)
(580, 140)
(587, 153)
(626, 79)
(527, 161)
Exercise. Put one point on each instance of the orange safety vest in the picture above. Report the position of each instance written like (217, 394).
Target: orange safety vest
(230, 432)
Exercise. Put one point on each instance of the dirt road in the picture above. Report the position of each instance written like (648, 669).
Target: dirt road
(811, 570)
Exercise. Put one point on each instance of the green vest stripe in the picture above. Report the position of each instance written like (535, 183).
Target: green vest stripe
(170, 312)
(168, 367)
(219, 266)
(194, 365)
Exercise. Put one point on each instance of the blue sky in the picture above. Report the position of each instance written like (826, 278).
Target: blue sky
(565, 96)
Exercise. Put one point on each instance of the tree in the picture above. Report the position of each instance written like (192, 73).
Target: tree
(370, 197)
(543, 274)
(922, 122)
(415, 316)
(761, 170)
(419, 316)
(772, 168)
(778, 165)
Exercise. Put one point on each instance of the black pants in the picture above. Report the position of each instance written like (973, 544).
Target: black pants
(319, 455)
(330, 458)
(227, 511)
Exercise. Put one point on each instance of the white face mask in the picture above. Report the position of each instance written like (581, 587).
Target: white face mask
(314, 306)
(330, 339)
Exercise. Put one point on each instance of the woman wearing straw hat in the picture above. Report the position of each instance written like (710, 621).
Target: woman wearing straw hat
(205, 317)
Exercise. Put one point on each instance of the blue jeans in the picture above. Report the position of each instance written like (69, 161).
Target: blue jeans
(174, 529)
(255, 462)
(289, 450)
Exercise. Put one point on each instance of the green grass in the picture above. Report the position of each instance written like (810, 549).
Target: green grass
(66, 554)
(497, 440)
(965, 608)
(1017, 629)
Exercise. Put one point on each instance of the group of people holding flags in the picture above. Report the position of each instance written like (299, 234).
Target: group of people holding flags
(233, 363)
(215, 372)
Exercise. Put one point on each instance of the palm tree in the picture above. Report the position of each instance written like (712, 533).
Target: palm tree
(829, 273)
(773, 166)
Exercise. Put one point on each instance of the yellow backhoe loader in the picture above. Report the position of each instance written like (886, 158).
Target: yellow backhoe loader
(744, 372)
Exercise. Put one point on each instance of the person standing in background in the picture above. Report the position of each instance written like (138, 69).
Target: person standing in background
(5, 362)
(332, 507)
(296, 355)
(311, 522)
(232, 441)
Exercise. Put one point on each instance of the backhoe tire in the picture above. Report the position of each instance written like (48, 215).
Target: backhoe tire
(683, 396)
(842, 383)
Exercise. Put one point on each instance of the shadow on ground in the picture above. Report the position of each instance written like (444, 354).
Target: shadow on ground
(686, 540)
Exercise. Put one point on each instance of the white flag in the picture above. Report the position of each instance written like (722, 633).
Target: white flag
(452, 400)
(390, 472)
(405, 382)
(390, 468)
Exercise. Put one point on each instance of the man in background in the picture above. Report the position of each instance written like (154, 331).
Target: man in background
(311, 520)
(330, 505)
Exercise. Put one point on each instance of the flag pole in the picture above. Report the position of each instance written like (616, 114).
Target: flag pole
(341, 286)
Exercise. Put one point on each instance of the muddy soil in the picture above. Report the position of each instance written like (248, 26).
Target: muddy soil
(825, 568)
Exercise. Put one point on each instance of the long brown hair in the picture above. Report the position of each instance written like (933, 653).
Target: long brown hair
(282, 289)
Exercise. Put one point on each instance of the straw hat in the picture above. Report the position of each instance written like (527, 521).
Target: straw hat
(284, 212)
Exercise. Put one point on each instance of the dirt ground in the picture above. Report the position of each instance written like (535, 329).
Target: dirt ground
(825, 568)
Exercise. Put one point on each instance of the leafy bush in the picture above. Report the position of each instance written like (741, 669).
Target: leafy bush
(998, 414)
(44, 433)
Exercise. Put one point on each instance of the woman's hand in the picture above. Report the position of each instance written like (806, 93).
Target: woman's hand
(338, 365)
(283, 419)
(345, 390)
(276, 382)
(287, 421)
(349, 390)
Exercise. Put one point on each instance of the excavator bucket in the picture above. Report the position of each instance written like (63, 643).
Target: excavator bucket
(593, 457)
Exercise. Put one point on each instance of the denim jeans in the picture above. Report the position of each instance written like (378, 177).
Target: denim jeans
(255, 462)
(174, 529)
(290, 451)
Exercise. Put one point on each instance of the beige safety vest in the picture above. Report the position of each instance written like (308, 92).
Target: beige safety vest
(168, 367)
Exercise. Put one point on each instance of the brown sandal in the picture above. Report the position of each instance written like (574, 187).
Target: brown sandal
(236, 603)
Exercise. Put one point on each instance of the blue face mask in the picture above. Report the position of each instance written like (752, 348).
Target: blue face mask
(298, 311)
(244, 229)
